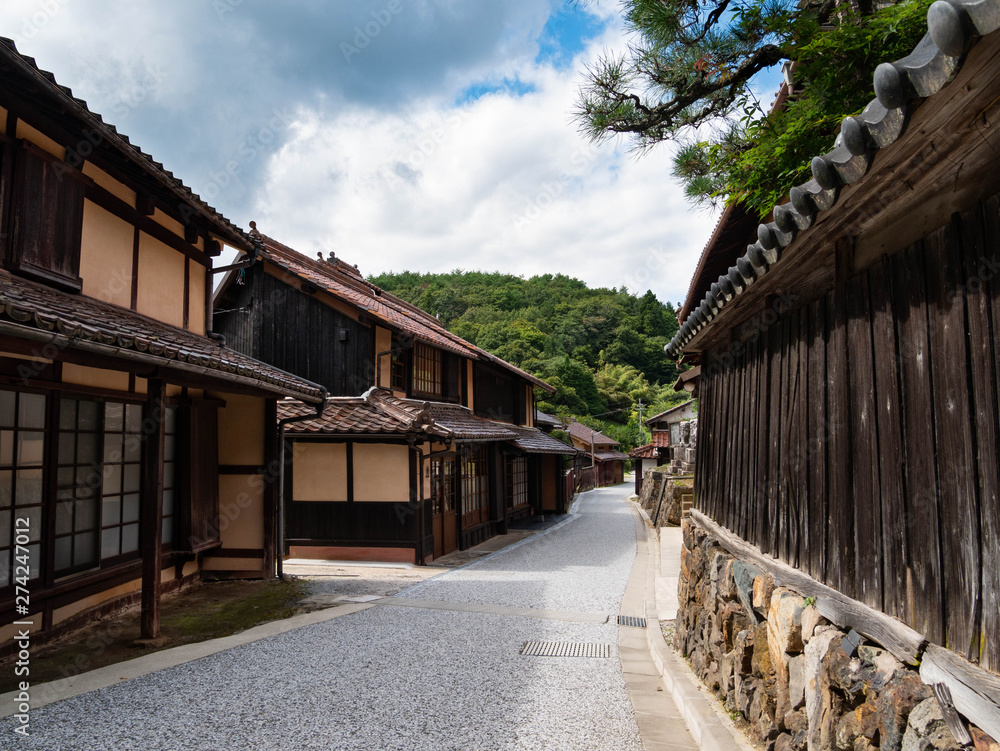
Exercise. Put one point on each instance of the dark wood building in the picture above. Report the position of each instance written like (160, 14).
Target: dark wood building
(429, 442)
(600, 452)
(125, 431)
(849, 387)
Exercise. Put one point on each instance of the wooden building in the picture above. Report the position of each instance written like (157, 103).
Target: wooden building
(135, 450)
(849, 358)
(428, 443)
(601, 452)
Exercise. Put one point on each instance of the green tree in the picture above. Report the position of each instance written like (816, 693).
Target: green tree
(695, 63)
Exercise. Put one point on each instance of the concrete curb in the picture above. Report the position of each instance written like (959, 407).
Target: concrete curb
(712, 729)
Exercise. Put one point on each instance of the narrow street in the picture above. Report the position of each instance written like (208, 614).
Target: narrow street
(437, 667)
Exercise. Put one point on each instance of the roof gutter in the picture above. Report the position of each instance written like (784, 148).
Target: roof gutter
(280, 510)
(67, 342)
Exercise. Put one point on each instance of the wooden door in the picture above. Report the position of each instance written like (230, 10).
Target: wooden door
(445, 515)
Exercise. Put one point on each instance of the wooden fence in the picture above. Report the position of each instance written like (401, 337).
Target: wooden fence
(856, 437)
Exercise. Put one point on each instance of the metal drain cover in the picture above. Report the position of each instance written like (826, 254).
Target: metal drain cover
(631, 620)
(565, 649)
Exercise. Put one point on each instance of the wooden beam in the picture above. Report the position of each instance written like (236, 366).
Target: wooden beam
(153, 417)
(114, 205)
(975, 692)
(901, 640)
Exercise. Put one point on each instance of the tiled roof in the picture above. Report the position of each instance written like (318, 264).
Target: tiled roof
(33, 311)
(582, 433)
(661, 439)
(42, 88)
(669, 412)
(343, 281)
(344, 415)
(610, 456)
(547, 421)
(934, 62)
(534, 441)
(380, 413)
(649, 451)
(460, 422)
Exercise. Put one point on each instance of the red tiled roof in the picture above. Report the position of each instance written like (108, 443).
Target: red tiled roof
(76, 322)
(343, 281)
(649, 451)
(661, 439)
(534, 441)
(380, 413)
(582, 433)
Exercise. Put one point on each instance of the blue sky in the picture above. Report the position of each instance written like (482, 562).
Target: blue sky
(402, 134)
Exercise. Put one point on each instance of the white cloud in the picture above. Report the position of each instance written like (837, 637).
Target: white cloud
(372, 156)
(502, 183)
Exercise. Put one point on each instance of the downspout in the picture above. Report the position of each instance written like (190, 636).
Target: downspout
(281, 476)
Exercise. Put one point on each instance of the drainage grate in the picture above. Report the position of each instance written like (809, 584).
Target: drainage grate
(565, 649)
(631, 620)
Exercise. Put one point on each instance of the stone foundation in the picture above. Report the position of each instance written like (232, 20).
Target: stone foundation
(665, 497)
(797, 680)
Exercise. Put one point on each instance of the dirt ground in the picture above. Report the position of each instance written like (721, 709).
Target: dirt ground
(209, 610)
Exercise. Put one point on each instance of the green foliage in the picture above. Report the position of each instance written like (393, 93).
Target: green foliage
(757, 160)
(690, 75)
(601, 349)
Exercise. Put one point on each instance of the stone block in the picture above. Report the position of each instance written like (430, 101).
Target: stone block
(848, 730)
(811, 619)
(822, 704)
(796, 722)
(797, 681)
(895, 704)
(744, 576)
(926, 729)
(763, 586)
(983, 742)
(784, 621)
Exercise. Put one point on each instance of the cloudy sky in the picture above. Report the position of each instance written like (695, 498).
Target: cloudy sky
(425, 135)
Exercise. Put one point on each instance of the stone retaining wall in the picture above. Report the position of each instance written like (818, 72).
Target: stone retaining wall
(665, 496)
(797, 680)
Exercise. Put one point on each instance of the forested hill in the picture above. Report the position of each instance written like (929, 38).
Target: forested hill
(601, 348)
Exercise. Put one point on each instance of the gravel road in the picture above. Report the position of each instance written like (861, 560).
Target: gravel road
(444, 675)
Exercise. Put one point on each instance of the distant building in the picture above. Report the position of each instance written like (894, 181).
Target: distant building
(428, 444)
(602, 452)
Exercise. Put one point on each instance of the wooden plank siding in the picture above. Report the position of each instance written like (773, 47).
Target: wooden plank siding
(271, 320)
(856, 437)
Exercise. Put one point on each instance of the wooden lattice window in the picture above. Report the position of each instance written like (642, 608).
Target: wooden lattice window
(426, 370)
(22, 449)
(517, 482)
(475, 486)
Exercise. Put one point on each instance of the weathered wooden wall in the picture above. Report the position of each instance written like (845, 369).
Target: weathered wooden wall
(856, 436)
(273, 321)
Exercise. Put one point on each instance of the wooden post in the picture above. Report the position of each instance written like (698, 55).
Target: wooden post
(271, 475)
(153, 414)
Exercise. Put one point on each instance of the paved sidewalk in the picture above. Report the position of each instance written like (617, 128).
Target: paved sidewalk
(703, 715)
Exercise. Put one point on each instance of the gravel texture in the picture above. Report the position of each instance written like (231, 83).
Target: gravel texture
(395, 677)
